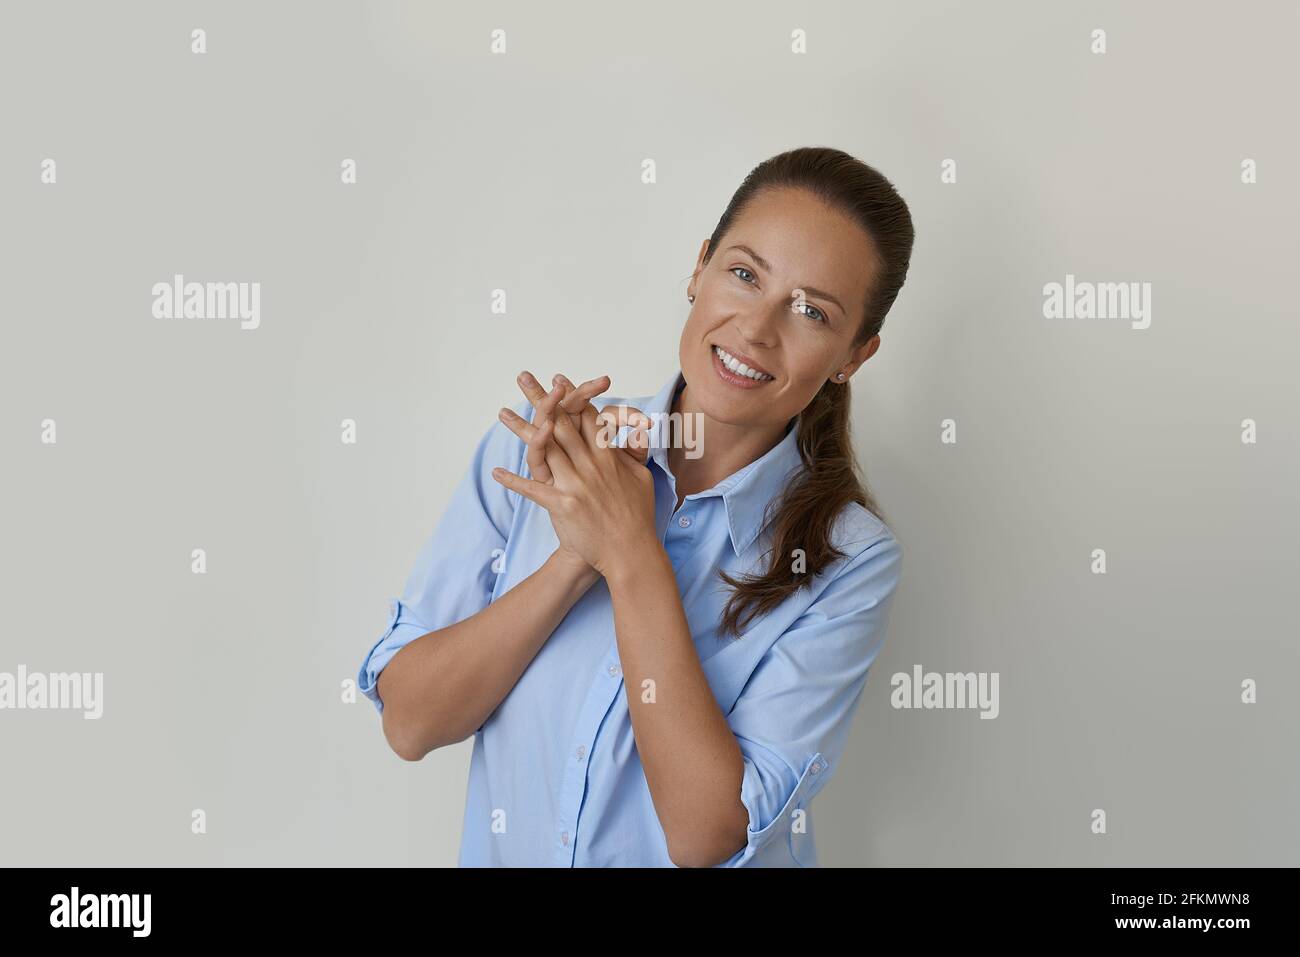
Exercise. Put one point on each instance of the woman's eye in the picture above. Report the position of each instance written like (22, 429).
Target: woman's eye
(819, 317)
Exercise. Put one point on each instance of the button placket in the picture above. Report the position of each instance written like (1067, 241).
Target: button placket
(573, 785)
(682, 524)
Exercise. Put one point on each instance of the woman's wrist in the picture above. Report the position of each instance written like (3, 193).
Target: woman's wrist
(633, 563)
(575, 571)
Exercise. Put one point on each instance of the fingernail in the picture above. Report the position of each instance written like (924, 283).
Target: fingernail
(527, 379)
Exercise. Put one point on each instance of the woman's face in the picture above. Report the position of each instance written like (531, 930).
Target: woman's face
(748, 304)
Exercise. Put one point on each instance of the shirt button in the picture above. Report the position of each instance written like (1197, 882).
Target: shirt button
(816, 768)
(613, 670)
(582, 749)
(564, 838)
(684, 521)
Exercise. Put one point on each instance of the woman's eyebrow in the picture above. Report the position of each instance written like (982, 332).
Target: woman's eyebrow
(767, 267)
(762, 263)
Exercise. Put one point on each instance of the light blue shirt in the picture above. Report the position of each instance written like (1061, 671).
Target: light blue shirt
(555, 779)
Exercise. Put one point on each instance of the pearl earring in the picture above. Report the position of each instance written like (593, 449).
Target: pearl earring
(690, 298)
(840, 376)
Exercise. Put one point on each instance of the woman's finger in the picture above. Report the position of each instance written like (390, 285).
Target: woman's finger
(544, 495)
(547, 406)
(536, 454)
(614, 417)
(538, 444)
(555, 459)
(579, 395)
(568, 435)
(588, 426)
(628, 415)
(531, 388)
(544, 403)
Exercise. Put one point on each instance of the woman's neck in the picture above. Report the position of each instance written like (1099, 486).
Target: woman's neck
(725, 448)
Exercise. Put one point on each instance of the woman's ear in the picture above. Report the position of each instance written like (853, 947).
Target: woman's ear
(699, 267)
(862, 353)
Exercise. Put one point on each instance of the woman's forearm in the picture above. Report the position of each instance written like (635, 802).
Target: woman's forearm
(439, 688)
(692, 762)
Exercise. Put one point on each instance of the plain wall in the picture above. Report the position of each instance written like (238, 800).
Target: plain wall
(522, 172)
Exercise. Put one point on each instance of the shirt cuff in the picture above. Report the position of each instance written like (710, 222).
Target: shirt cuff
(397, 633)
(784, 841)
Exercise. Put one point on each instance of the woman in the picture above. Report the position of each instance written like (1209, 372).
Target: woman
(659, 648)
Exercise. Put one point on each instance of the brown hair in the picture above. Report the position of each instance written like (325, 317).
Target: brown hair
(829, 480)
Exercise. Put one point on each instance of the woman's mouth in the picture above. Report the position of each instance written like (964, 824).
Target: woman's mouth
(734, 372)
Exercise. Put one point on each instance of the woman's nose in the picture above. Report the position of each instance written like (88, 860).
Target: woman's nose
(759, 325)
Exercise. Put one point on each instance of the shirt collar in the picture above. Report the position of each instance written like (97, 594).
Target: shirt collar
(746, 493)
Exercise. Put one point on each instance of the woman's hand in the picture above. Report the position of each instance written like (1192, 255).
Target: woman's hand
(600, 497)
(572, 399)
(564, 397)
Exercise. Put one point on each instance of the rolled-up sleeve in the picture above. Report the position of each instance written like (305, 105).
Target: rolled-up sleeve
(792, 718)
(455, 572)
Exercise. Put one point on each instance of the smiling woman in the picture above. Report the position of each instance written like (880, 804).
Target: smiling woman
(663, 741)
(813, 250)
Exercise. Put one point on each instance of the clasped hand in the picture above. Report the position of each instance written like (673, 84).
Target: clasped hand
(600, 497)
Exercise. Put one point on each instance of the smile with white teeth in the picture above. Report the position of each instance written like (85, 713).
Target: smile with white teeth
(738, 367)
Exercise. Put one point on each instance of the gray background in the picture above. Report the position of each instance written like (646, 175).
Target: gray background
(222, 691)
